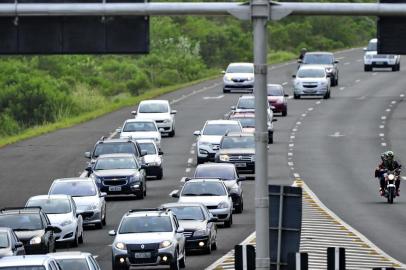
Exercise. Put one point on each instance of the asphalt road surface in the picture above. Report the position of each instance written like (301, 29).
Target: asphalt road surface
(334, 148)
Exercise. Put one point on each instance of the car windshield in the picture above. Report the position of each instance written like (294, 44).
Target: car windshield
(67, 264)
(220, 172)
(146, 224)
(238, 142)
(4, 240)
(139, 126)
(310, 73)
(74, 188)
(153, 108)
(206, 188)
(21, 222)
(240, 69)
(188, 212)
(114, 148)
(51, 206)
(322, 59)
(33, 267)
(274, 90)
(113, 163)
(246, 103)
(220, 129)
(372, 46)
(149, 148)
(246, 122)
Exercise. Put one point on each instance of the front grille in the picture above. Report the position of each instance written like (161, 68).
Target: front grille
(240, 158)
(211, 206)
(239, 80)
(114, 181)
(159, 121)
(141, 248)
(380, 56)
(188, 234)
(310, 85)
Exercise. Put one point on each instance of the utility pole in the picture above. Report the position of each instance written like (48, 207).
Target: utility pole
(260, 10)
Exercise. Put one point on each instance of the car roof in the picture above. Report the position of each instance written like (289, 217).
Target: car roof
(327, 53)
(154, 101)
(20, 210)
(241, 64)
(374, 40)
(274, 85)
(312, 66)
(221, 121)
(146, 141)
(117, 140)
(26, 260)
(238, 134)
(52, 196)
(117, 155)
(69, 255)
(132, 120)
(212, 165)
(242, 115)
(74, 179)
(176, 204)
(141, 213)
(199, 180)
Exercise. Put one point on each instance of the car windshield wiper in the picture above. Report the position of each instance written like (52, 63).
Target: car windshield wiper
(207, 194)
(190, 194)
(188, 219)
(22, 229)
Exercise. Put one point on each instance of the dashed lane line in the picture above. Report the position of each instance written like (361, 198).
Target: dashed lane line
(321, 228)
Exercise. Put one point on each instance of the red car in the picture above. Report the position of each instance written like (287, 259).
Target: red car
(277, 99)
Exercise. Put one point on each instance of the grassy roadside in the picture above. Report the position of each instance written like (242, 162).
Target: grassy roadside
(273, 58)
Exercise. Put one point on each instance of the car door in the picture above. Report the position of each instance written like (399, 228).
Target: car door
(16, 250)
(210, 225)
(79, 218)
(49, 234)
(180, 237)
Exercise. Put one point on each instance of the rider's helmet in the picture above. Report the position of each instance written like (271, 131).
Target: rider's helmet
(303, 51)
(389, 155)
(383, 156)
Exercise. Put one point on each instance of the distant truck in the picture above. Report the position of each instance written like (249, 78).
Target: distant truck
(373, 59)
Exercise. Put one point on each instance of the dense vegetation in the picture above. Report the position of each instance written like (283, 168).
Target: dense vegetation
(44, 89)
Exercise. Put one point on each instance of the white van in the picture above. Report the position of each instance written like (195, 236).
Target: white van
(373, 59)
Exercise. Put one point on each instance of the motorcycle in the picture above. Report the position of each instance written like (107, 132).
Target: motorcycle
(390, 187)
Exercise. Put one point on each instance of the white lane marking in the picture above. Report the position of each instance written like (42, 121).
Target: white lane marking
(303, 115)
(357, 81)
(383, 144)
(294, 130)
(342, 88)
(403, 177)
(296, 175)
(359, 60)
(290, 154)
(84, 173)
(388, 110)
(193, 144)
(337, 135)
(361, 98)
(340, 58)
(292, 137)
(190, 161)
(310, 109)
(216, 97)
(205, 88)
(291, 144)
(381, 126)
(284, 83)
(383, 117)
(318, 102)
(346, 63)
(290, 163)
(374, 74)
(187, 170)
(298, 123)
(394, 102)
(192, 152)
(402, 95)
(381, 135)
(290, 97)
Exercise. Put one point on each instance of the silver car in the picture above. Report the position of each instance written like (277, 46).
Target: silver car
(29, 262)
(311, 80)
(61, 211)
(90, 202)
(325, 59)
(152, 158)
(75, 260)
(148, 237)
(10, 245)
(239, 76)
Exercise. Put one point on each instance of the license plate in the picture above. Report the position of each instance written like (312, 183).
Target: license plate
(379, 63)
(142, 255)
(114, 188)
(240, 165)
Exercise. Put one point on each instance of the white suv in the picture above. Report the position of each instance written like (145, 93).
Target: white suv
(137, 129)
(373, 59)
(148, 237)
(208, 139)
(239, 76)
(159, 111)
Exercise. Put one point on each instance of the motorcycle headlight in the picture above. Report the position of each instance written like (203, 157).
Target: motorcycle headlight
(36, 240)
(165, 244)
(200, 233)
(391, 177)
(121, 246)
(224, 158)
(223, 205)
(66, 222)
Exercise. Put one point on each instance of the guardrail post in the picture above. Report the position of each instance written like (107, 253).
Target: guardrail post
(298, 261)
(335, 258)
(244, 257)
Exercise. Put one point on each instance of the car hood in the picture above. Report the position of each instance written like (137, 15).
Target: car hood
(210, 139)
(5, 252)
(248, 130)
(141, 135)
(275, 98)
(85, 201)
(27, 235)
(118, 172)
(206, 200)
(152, 158)
(193, 224)
(239, 75)
(236, 151)
(142, 238)
(153, 116)
(57, 219)
(309, 80)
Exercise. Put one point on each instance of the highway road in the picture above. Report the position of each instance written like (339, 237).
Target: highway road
(333, 145)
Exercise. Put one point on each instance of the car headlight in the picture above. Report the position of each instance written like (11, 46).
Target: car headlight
(368, 56)
(165, 244)
(167, 120)
(224, 158)
(329, 70)
(253, 158)
(36, 240)
(121, 246)
(93, 206)
(200, 233)
(228, 78)
(223, 205)
(323, 83)
(154, 163)
(250, 78)
(66, 223)
(132, 179)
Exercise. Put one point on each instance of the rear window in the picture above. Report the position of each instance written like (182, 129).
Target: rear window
(146, 224)
(67, 264)
(51, 206)
(21, 222)
(220, 172)
(23, 268)
(220, 129)
(274, 90)
(372, 46)
(74, 189)
(246, 103)
(4, 240)
(114, 148)
(322, 59)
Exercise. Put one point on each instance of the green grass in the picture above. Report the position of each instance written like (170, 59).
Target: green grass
(280, 56)
(121, 103)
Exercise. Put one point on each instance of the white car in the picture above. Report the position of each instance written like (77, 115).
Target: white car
(311, 80)
(90, 202)
(160, 111)
(62, 213)
(137, 129)
(212, 193)
(75, 260)
(373, 59)
(208, 139)
(152, 159)
(239, 76)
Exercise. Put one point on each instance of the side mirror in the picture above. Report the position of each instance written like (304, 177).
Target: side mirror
(365, 49)
(174, 194)
(241, 178)
(299, 61)
(180, 230)
(336, 61)
(50, 228)
(134, 112)
(197, 133)
(294, 76)
(87, 155)
(174, 111)
(274, 120)
(18, 245)
(160, 152)
(103, 194)
(112, 233)
(161, 130)
(223, 72)
(118, 130)
(286, 95)
(89, 169)
(143, 166)
(213, 219)
(233, 108)
(143, 153)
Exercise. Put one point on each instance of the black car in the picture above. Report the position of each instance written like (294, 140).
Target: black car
(229, 175)
(32, 227)
(238, 149)
(199, 224)
(10, 245)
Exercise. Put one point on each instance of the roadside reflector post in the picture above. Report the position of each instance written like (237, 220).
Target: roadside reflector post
(335, 258)
(244, 257)
(298, 261)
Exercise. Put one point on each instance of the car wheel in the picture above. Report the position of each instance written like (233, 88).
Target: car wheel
(398, 67)
(285, 112)
(326, 95)
(99, 225)
(182, 262)
(228, 222)
(270, 138)
(200, 160)
(104, 218)
(172, 133)
(209, 247)
(394, 68)
(214, 245)
(239, 207)
(296, 96)
(81, 238)
(175, 263)
(159, 175)
(140, 195)
(336, 81)
(367, 68)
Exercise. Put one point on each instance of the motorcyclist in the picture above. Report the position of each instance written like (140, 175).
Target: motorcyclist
(302, 53)
(388, 164)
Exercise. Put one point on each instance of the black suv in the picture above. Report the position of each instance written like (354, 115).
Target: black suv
(32, 227)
